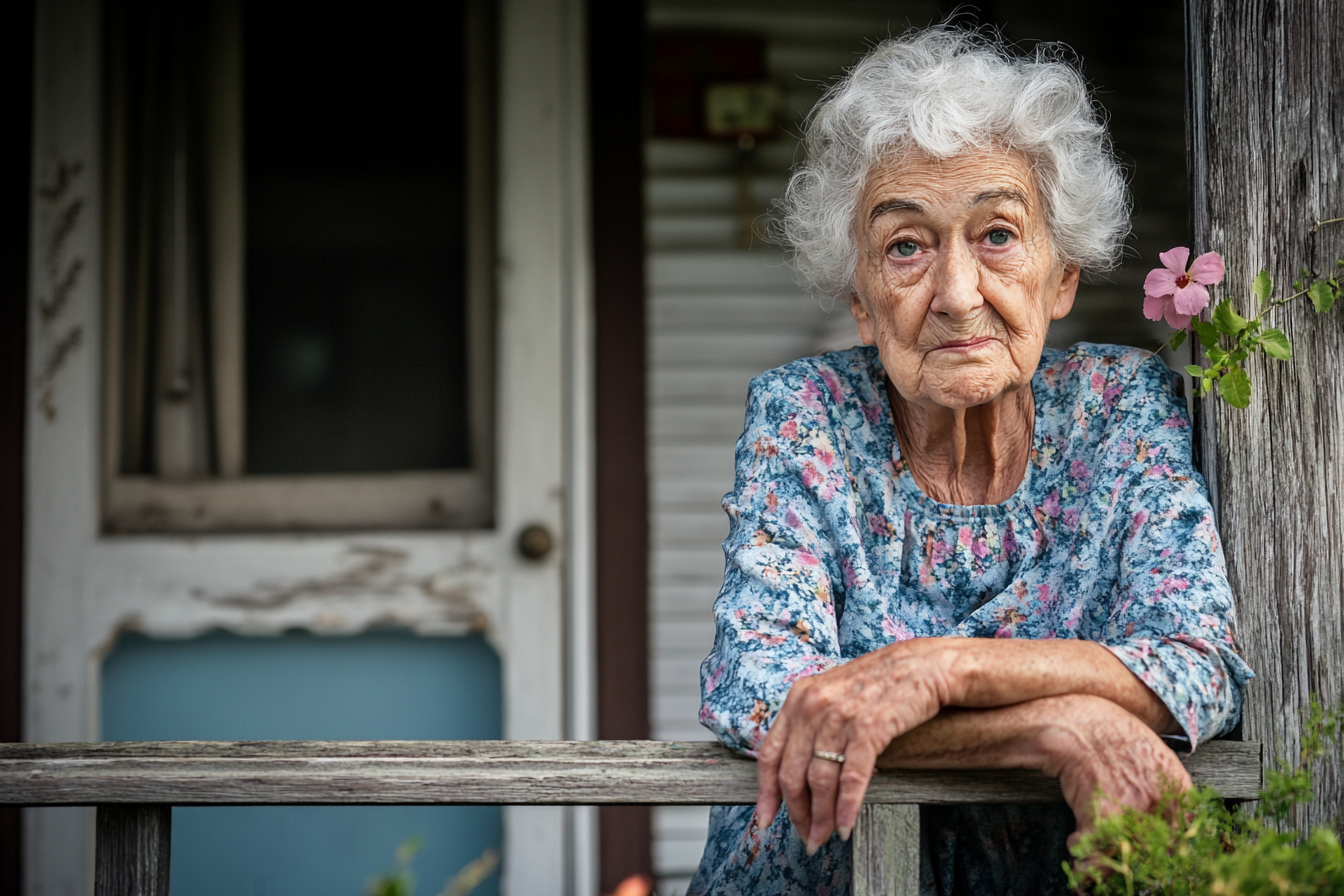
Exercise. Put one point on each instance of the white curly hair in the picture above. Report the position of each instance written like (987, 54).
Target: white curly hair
(943, 91)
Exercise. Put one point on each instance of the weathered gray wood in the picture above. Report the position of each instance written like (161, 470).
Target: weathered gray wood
(886, 850)
(486, 772)
(133, 852)
(1265, 134)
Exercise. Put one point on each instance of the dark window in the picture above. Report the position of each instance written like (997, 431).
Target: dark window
(356, 286)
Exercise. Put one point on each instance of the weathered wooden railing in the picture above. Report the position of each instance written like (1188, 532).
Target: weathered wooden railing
(135, 786)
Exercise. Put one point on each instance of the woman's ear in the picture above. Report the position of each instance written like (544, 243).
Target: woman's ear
(1068, 291)
(862, 319)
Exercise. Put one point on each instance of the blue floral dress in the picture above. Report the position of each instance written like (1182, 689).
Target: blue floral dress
(834, 551)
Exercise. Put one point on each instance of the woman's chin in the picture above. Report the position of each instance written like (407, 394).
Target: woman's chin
(960, 401)
(966, 386)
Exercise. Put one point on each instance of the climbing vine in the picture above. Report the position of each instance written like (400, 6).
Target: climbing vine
(1178, 292)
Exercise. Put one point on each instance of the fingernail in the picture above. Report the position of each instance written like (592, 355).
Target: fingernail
(812, 848)
(844, 832)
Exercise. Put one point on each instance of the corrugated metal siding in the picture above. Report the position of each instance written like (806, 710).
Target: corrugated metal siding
(719, 315)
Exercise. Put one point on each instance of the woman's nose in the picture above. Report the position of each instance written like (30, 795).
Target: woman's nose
(957, 289)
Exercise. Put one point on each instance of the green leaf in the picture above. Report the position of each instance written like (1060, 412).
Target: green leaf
(1178, 339)
(1208, 385)
(1322, 297)
(1235, 387)
(1226, 318)
(1207, 332)
(1216, 356)
(1276, 345)
(1194, 370)
(1262, 286)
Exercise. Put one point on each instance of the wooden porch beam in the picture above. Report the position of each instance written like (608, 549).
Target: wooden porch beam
(489, 773)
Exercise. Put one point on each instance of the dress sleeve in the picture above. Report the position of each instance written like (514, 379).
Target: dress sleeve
(775, 615)
(1172, 620)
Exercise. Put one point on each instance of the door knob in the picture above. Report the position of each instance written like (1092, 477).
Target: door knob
(535, 542)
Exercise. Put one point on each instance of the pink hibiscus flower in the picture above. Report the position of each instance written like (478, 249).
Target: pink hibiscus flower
(1176, 292)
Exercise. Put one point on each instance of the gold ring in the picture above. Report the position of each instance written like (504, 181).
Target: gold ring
(829, 756)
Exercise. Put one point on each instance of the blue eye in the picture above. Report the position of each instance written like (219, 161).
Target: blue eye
(906, 248)
(999, 237)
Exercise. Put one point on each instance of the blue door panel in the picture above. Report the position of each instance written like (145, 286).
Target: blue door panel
(387, 685)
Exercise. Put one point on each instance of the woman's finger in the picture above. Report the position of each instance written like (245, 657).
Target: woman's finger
(793, 782)
(795, 757)
(768, 792)
(823, 784)
(860, 760)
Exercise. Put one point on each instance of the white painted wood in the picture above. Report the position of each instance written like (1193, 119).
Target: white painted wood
(62, 463)
(581, 556)
(540, 60)
(82, 589)
(458, 499)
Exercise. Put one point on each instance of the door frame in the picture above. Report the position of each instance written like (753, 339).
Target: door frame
(83, 588)
(16, 62)
(617, 32)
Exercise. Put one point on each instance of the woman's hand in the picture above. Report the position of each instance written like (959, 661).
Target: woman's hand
(1089, 743)
(1096, 749)
(856, 710)
(860, 708)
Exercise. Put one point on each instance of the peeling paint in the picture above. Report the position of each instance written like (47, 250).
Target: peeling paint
(65, 175)
(66, 222)
(58, 353)
(60, 292)
(372, 571)
(61, 280)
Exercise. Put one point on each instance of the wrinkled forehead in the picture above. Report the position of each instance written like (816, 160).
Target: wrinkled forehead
(916, 182)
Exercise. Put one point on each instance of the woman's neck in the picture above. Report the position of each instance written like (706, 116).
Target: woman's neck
(975, 455)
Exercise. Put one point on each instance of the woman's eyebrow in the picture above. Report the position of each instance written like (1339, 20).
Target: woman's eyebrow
(895, 205)
(1012, 195)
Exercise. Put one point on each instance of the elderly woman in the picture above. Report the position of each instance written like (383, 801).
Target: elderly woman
(952, 547)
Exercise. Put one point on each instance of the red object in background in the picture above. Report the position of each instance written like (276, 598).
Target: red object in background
(634, 885)
(682, 65)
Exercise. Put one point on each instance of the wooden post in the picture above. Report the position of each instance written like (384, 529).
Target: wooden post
(133, 851)
(1265, 136)
(886, 850)
(615, 44)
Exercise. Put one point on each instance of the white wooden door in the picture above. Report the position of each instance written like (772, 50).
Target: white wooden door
(83, 588)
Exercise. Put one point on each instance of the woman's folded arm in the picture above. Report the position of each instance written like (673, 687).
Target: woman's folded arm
(775, 618)
(1000, 672)
(1095, 748)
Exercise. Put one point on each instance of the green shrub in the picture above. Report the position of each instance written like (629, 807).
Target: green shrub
(399, 881)
(1214, 850)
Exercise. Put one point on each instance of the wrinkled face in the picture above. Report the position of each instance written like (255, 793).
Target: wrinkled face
(956, 282)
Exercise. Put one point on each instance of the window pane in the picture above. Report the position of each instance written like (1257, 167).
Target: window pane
(356, 305)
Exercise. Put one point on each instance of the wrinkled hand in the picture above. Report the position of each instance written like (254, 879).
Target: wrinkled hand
(856, 709)
(1097, 746)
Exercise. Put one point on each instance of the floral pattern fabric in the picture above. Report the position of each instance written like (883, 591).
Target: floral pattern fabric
(834, 551)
